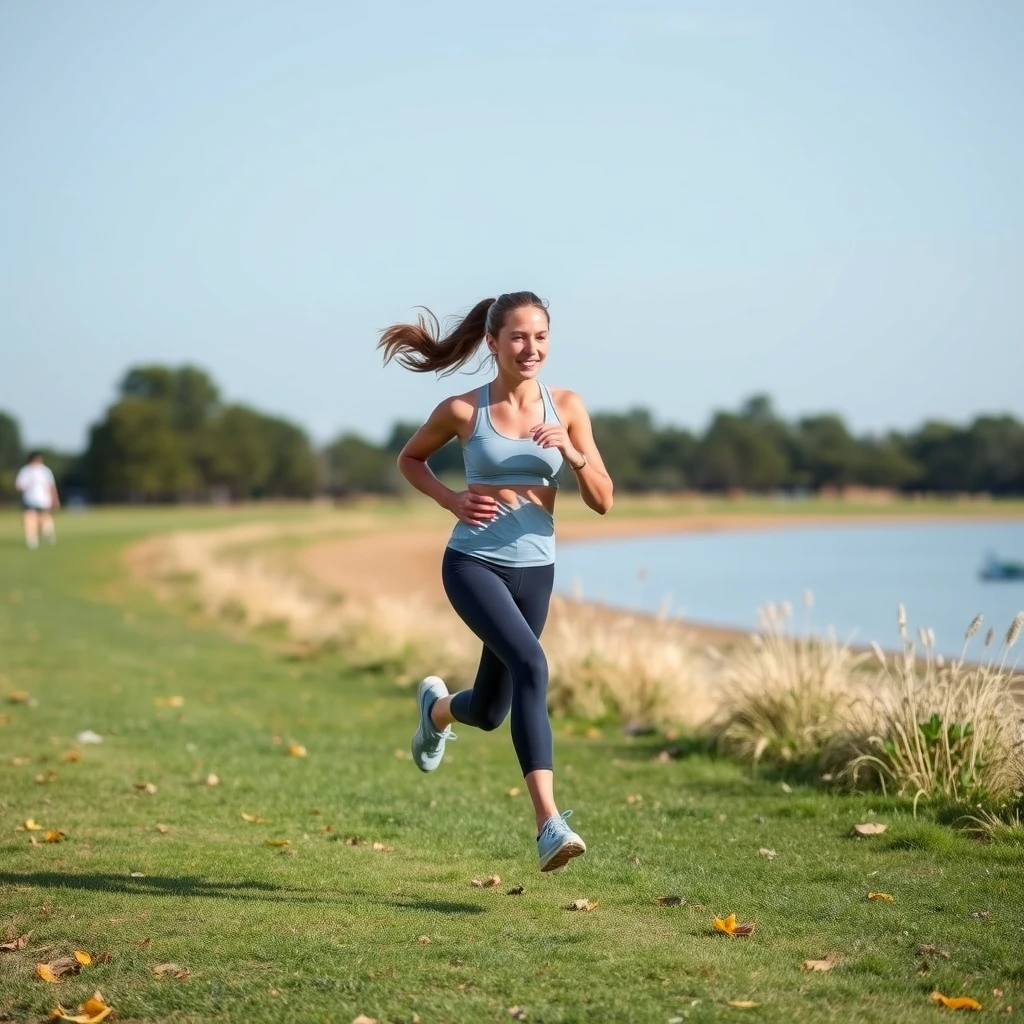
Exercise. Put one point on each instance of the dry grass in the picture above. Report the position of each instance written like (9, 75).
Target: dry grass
(783, 697)
(603, 663)
(938, 730)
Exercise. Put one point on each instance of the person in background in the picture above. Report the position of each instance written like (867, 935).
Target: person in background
(518, 437)
(39, 499)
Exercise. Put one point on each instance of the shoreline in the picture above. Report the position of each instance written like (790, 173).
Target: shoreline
(407, 562)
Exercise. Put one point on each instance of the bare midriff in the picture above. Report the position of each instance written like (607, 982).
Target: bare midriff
(512, 495)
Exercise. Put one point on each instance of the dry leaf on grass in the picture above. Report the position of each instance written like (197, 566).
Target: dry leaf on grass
(211, 780)
(516, 890)
(424, 940)
(18, 697)
(742, 1004)
(956, 1002)
(514, 791)
(57, 969)
(255, 819)
(71, 756)
(381, 848)
(15, 944)
(54, 835)
(163, 829)
(768, 854)
(487, 883)
(20, 762)
(584, 905)
(92, 1011)
(729, 926)
(869, 829)
(30, 825)
(173, 971)
(43, 777)
(980, 915)
(277, 842)
(355, 841)
(363, 1019)
(146, 787)
(295, 750)
(170, 702)
(929, 950)
(884, 896)
(669, 901)
(820, 965)
(517, 1012)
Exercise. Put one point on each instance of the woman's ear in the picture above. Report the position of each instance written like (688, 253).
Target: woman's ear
(492, 344)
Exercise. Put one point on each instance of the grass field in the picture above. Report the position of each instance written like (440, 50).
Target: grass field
(322, 930)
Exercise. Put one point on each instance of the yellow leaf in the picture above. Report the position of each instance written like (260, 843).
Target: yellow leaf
(31, 825)
(212, 780)
(381, 848)
(45, 971)
(255, 819)
(729, 926)
(956, 1002)
(18, 697)
(20, 762)
(487, 883)
(277, 842)
(743, 1004)
(43, 778)
(71, 755)
(881, 896)
(584, 905)
(54, 836)
(146, 787)
(163, 829)
(765, 852)
(296, 750)
(82, 957)
(170, 702)
(514, 791)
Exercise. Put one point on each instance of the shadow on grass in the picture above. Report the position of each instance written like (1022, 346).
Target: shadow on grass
(435, 906)
(159, 885)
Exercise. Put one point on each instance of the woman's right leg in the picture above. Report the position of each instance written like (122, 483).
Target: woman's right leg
(30, 522)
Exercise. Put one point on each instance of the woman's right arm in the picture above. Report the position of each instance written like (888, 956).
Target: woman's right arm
(444, 423)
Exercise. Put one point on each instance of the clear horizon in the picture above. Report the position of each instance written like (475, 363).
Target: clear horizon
(718, 200)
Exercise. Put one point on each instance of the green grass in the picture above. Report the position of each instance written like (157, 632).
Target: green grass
(323, 931)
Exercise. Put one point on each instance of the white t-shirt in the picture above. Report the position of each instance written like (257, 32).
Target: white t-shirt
(36, 483)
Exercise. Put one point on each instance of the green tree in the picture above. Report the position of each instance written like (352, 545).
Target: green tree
(886, 462)
(826, 453)
(10, 455)
(191, 394)
(232, 451)
(734, 453)
(355, 465)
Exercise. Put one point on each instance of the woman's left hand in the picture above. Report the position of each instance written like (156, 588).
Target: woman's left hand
(554, 435)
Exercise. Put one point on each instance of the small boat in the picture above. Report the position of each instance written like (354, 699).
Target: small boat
(998, 569)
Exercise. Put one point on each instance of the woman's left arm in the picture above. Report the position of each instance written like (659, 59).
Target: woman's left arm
(574, 437)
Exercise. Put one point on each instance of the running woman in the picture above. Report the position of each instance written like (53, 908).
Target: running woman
(39, 498)
(517, 437)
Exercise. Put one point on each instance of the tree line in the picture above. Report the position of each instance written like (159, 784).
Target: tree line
(170, 436)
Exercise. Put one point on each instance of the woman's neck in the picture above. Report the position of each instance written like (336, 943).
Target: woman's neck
(517, 392)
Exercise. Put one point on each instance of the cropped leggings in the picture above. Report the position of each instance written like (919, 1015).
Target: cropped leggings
(506, 607)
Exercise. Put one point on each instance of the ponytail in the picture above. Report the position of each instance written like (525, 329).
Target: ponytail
(419, 347)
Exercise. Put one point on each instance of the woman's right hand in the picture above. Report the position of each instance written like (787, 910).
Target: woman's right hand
(473, 509)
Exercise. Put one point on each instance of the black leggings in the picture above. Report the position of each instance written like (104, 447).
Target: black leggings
(506, 607)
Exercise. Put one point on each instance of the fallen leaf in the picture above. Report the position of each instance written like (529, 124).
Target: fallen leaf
(255, 819)
(881, 896)
(593, 733)
(517, 1012)
(145, 943)
(516, 890)
(56, 969)
(381, 848)
(92, 1011)
(18, 697)
(998, 993)
(5, 719)
(136, 874)
(146, 787)
(20, 762)
(424, 940)
(30, 825)
(82, 957)
(173, 970)
(88, 736)
(956, 1002)
(103, 958)
(765, 852)
(212, 780)
(669, 901)
(277, 842)
(363, 1019)
(742, 1004)
(295, 750)
(71, 755)
(869, 829)
(15, 944)
(819, 965)
(487, 883)
(514, 791)
(44, 777)
(728, 926)
(54, 835)
(980, 915)
(163, 829)
(355, 841)
(785, 787)
(170, 702)
(634, 798)
(929, 950)
(583, 905)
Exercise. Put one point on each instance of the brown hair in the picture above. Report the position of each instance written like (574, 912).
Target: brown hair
(421, 348)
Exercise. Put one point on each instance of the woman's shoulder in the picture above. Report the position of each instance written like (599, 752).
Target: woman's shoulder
(566, 400)
(459, 408)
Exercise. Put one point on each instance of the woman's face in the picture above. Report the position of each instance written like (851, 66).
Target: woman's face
(521, 345)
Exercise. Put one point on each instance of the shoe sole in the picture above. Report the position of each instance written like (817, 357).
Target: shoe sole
(562, 857)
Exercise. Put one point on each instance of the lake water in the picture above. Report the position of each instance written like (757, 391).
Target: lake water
(858, 576)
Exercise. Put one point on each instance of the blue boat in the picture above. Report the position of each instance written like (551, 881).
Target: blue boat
(999, 570)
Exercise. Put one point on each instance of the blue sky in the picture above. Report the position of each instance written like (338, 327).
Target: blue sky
(818, 201)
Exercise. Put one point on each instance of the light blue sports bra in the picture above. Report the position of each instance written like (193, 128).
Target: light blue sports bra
(494, 459)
